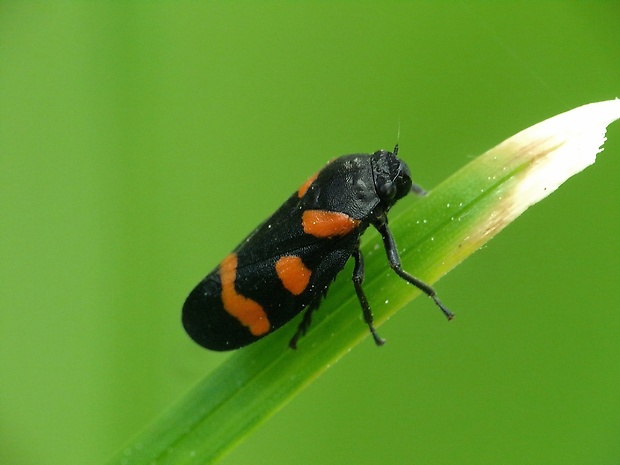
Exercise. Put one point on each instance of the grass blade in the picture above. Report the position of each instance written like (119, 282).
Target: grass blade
(434, 233)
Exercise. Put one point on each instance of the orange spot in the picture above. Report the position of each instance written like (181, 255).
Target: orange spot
(322, 223)
(247, 311)
(306, 185)
(294, 275)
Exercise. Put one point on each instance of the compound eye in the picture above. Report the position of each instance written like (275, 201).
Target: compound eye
(387, 191)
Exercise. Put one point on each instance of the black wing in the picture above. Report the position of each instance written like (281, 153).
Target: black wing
(205, 317)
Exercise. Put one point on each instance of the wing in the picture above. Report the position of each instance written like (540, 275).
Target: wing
(270, 277)
(283, 266)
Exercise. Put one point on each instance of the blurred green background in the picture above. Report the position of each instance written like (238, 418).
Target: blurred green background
(139, 142)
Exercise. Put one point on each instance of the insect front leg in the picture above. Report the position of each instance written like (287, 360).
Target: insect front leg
(358, 278)
(394, 259)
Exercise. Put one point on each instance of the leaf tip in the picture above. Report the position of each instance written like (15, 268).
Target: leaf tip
(558, 148)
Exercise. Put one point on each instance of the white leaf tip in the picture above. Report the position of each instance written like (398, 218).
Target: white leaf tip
(557, 149)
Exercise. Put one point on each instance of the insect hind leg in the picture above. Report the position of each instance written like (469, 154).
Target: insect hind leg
(303, 327)
(358, 278)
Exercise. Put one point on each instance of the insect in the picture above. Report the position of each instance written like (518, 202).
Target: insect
(287, 264)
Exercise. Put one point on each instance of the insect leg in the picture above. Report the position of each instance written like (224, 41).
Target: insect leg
(358, 278)
(302, 328)
(394, 258)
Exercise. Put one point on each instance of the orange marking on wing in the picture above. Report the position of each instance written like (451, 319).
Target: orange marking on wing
(322, 223)
(306, 185)
(247, 311)
(294, 275)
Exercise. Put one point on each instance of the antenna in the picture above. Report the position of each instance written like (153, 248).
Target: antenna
(397, 137)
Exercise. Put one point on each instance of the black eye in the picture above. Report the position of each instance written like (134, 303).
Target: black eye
(387, 191)
(403, 181)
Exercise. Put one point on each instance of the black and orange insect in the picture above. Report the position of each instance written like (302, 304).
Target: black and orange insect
(287, 263)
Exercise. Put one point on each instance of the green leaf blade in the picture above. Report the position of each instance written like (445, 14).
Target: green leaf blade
(434, 234)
